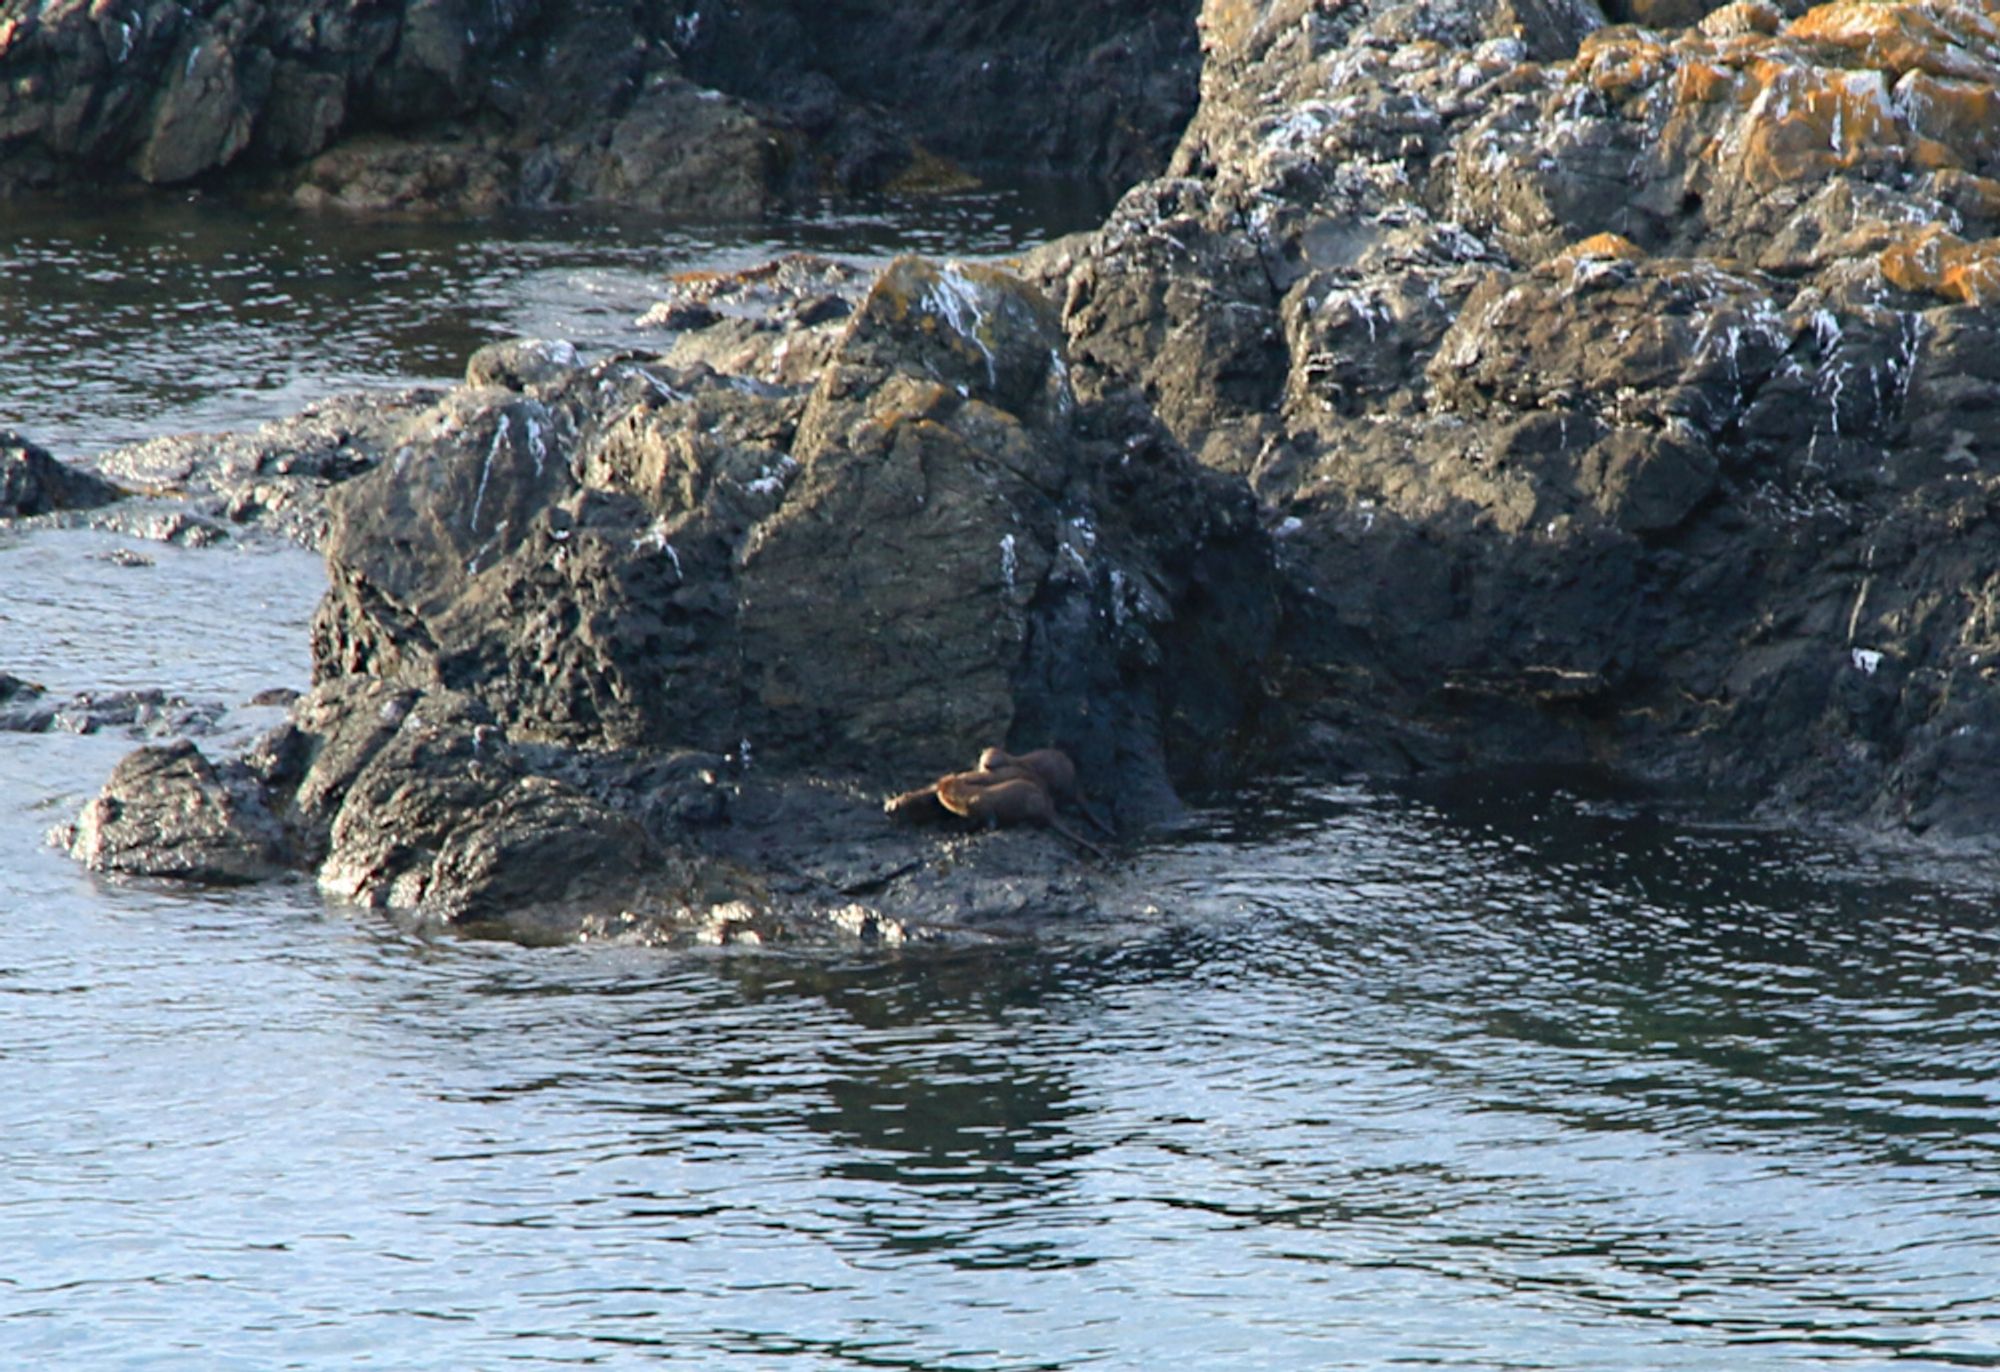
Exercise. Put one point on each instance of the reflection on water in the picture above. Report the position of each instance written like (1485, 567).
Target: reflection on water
(129, 320)
(1481, 1077)
(1401, 1082)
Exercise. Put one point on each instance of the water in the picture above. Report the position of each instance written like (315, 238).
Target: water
(123, 321)
(1497, 1076)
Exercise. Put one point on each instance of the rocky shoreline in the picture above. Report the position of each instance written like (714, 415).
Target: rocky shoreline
(1483, 384)
(695, 108)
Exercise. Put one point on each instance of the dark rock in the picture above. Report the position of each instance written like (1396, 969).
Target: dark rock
(167, 812)
(639, 643)
(440, 816)
(1645, 481)
(1100, 90)
(21, 707)
(520, 364)
(34, 483)
(1610, 396)
(141, 714)
(665, 577)
(1618, 395)
(687, 108)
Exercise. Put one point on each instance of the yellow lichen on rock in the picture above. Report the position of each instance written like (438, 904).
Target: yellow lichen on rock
(1700, 82)
(1602, 247)
(1849, 88)
(1934, 36)
(1620, 60)
(1935, 261)
(1802, 122)
(1743, 17)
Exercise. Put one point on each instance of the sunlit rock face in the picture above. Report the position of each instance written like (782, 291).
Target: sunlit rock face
(617, 644)
(1621, 392)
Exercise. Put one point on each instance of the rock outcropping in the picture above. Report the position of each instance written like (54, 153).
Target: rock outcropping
(615, 646)
(691, 108)
(32, 482)
(1626, 394)
(1561, 392)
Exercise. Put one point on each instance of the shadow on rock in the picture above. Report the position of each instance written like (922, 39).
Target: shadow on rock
(636, 649)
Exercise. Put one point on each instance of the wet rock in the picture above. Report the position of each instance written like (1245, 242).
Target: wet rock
(168, 812)
(694, 109)
(147, 713)
(440, 816)
(21, 708)
(196, 489)
(33, 483)
(613, 647)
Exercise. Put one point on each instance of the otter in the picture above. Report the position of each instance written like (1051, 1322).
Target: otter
(997, 798)
(1054, 770)
(926, 802)
(994, 766)
(1006, 796)
(1051, 766)
(994, 795)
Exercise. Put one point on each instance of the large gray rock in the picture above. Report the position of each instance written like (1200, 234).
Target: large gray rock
(932, 548)
(1619, 395)
(612, 648)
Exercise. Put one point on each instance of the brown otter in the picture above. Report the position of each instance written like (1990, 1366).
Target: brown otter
(994, 766)
(996, 797)
(1051, 766)
(1006, 796)
(1054, 770)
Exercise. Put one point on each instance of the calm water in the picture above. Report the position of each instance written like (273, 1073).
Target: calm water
(126, 321)
(1511, 1077)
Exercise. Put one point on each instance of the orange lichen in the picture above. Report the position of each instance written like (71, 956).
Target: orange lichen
(1935, 261)
(1952, 123)
(1745, 16)
(1935, 36)
(1619, 60)
(1701, 83)
(1803, 122)
(1603, 246)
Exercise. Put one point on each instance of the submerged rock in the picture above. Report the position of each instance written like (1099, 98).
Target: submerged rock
(150, 713)
(32, 482)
